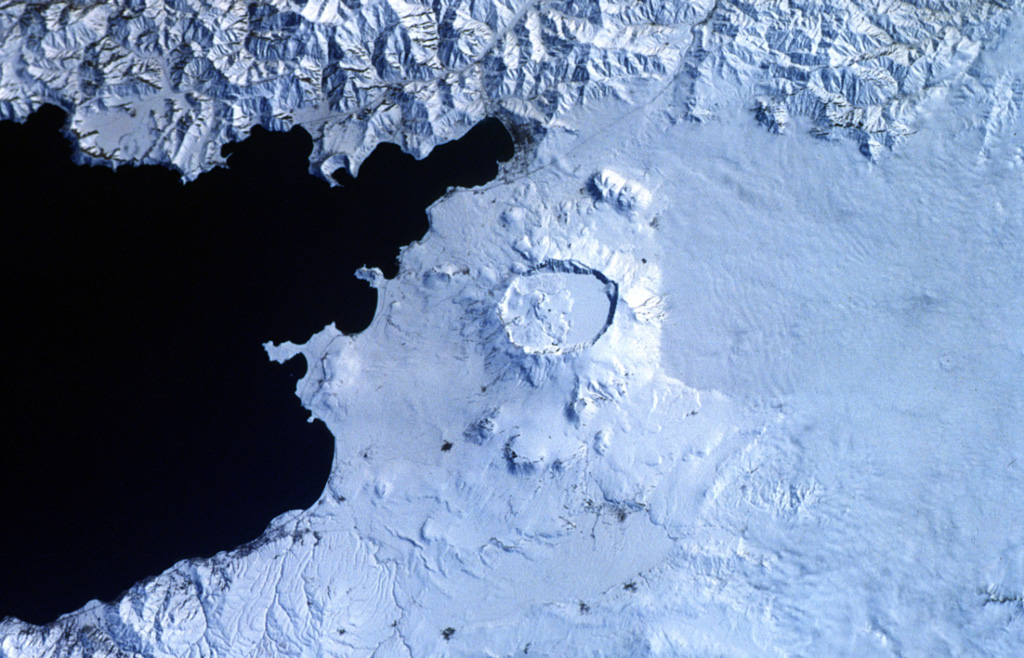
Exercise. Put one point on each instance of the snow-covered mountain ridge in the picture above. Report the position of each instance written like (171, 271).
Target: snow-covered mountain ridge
(669, 386)
(147, 81)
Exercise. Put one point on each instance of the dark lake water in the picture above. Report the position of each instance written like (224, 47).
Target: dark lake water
(142, 421)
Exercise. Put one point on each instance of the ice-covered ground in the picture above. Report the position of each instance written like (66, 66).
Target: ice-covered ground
(171, 81)
(669, 388)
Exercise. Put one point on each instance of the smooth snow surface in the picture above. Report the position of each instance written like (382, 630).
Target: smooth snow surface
(667, 387)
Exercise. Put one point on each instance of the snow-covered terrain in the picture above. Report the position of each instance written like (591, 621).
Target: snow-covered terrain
(673, 385)
(170, 82)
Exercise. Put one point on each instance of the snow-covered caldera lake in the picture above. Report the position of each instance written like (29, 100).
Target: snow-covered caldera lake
(727, 361)
(558, 307)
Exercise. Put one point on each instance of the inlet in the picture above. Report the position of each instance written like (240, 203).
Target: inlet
(143, 421)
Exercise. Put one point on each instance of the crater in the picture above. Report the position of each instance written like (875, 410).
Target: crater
(558, 307)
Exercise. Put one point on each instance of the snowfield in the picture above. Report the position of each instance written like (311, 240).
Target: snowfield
(674, 384)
